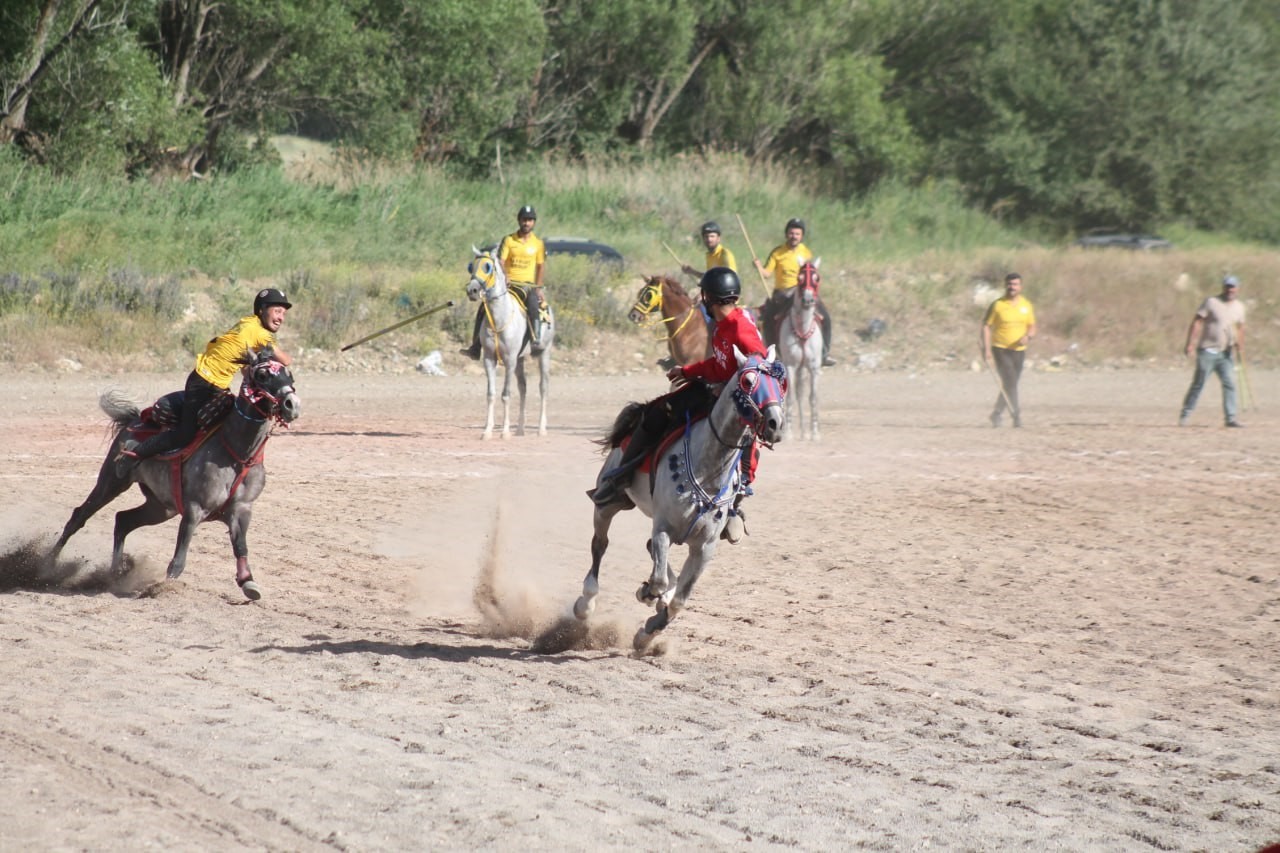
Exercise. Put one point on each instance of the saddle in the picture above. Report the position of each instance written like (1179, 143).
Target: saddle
(671, 437)
(166, 413)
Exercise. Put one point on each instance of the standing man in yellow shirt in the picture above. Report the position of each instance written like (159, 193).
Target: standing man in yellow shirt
(718, 254)
(1008, 327)
(784, 265)
(215, 368)
(523, 257)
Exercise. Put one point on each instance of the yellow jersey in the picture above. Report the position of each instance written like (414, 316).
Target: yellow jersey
(1009, 321)
(521, 258)
(721, 257)
(218, 363)
(784, 263)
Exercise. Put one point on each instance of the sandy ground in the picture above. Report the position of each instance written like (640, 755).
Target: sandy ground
(937, 635)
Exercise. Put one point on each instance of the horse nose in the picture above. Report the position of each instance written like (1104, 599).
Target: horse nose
(291, 407)
(773, 424)
(634, 316)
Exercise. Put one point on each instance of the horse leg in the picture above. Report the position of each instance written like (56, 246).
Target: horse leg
(506, 396)
(814, 375)
(603, 518)
(522, 386)
(238, 528)
(659, 581)
(544, 388)
(792, 405)
(674, 599)
(129, 520)
(108, 488)
(186, 529)
(491, 391)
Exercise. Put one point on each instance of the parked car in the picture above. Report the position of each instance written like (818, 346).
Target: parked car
(1108, 238)
(583, 246)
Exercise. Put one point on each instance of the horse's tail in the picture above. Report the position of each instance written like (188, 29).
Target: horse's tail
(119, 408)
(623, 426)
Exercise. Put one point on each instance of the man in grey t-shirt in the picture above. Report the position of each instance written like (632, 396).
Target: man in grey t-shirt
(1219, 324)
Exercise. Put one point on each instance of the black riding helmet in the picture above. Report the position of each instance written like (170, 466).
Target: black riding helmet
(710, 227)
(795, 223)
(269, 296)
(719, 284)
(526, 212)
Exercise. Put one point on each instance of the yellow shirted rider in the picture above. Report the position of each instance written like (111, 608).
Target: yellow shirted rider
(784, 265)
(214, 370)
(718, 254)
(523, 257)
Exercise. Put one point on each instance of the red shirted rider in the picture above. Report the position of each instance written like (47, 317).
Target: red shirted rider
(721, 290)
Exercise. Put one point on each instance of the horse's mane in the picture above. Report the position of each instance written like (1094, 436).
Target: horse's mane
(622, 427)
(672, 287)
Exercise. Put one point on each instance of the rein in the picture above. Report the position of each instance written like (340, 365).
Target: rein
(645, 308)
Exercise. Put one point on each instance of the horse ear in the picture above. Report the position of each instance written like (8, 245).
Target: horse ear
(817, 263)
(738, 356)
(772, 354)
(475, 252)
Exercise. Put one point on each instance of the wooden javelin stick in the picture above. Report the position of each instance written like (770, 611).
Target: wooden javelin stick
(674, 255)
(1246, 390)
(395, 326)
(752, 250)
(999, 384)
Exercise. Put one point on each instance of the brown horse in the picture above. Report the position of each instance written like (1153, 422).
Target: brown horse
(683, 323)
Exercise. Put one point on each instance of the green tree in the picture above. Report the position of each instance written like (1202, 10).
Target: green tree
(457, 72)
(1083, 112)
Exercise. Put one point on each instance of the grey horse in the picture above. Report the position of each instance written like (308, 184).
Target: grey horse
(218, 481)
(692, 487)
(800, 346)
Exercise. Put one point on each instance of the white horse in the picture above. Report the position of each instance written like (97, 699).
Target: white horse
(800, 343)
(691, 488)
(505, 338)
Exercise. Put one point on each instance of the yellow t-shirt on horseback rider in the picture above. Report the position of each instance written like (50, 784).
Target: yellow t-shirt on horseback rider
(721, 257)
(520, 258)
(1009, 321)
(784, 263)
(219, 361)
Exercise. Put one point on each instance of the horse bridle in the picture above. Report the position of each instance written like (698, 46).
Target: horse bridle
(749, 412)
(255, 396)
(648, 300)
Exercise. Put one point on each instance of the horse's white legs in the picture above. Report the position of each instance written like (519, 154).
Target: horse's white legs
(506, 400)
(652, 590)
(813, 399)
(603, 518)
(544, 388)
(491, 392)
(522, 386)
(677, 592)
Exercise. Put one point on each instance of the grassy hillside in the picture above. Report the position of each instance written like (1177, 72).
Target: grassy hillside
(102, 270)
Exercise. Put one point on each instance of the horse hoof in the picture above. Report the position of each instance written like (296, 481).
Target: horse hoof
(250, 589)
(641, 640)
(643, 594)
(584, 607)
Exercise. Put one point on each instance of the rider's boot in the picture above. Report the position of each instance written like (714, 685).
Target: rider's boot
(133, 452)
(827, 360)
(473, 351)
(736, 527)
(611, 487)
